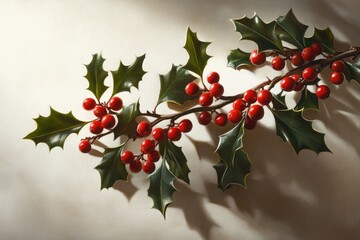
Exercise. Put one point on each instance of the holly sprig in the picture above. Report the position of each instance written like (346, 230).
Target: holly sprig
(281, 41)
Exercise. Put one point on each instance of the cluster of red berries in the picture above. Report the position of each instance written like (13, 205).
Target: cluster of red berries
(254, 111)
(149, 155)
(206, 98)
(104, 118)
(252, 101)
(309, 75)
(297, 58)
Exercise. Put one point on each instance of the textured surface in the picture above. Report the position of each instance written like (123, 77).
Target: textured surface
(56, 195)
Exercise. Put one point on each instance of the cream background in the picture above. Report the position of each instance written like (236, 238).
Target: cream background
(56, 195)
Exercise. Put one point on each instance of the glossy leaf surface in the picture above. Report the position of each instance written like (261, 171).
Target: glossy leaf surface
(54, 129)
(111, 168)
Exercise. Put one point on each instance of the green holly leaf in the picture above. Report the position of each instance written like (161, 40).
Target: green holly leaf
(298, 132)
(291, 30)
(126, 121)
(263, 34)
(197, 53)
(278, 101)
(352, 71)
(96, 76)
(308, 100)
(234, 174)
(172, 86)
(176, 159)
(111, 168)
(238, 58)
(128, 76)
(324, 37)
(161, 188)
(54, 129)
(234, 163)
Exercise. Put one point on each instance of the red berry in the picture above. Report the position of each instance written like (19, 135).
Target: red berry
(297, 60)
(148, 167)
(216, 90)
(337, 78)
(287, 84)
(127, 157)
(158, 134)
(213, 77)
(249, 123)
(144, 128)
(308, 54)
(221, 119)
(309, 74)
(89, 104)
(205, 99)
(264, 97)
(256, 112)
(278, 63)
(299, 86)
(204, 118)
(338, 66)
(115, 103)
(147, 146)
(250, 96)
(108, 121)
(192, 89)
(99, 111)
(322, 92)
(234, 116)
(257, 58)
(239, 104)
(154, 156)
(135, 166)
(174, 134)
(317, 48)
(85, 146)
(296, 77)
(185, 125)
(95, 127)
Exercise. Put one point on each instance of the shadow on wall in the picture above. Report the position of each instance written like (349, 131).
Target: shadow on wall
(308, 194)
(305, 194)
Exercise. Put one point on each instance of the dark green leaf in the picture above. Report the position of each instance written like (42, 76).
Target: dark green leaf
(234, 164)
(234, 174)
(230, 142)
(96, 76)
(173, 85)
(111, 168)
(126, 121)
(54, 129)
(161, 187)
(278, 101)
(353, 71)
(308, 100)
(324, 37)
(238, 58)
(176, 159)
(264, 35)
(291, 30)
(128, 76)
(294, 129)
(197, 53)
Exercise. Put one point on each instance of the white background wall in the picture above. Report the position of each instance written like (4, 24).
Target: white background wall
(56, 195)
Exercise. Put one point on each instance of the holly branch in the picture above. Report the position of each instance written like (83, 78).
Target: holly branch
(282, 43)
